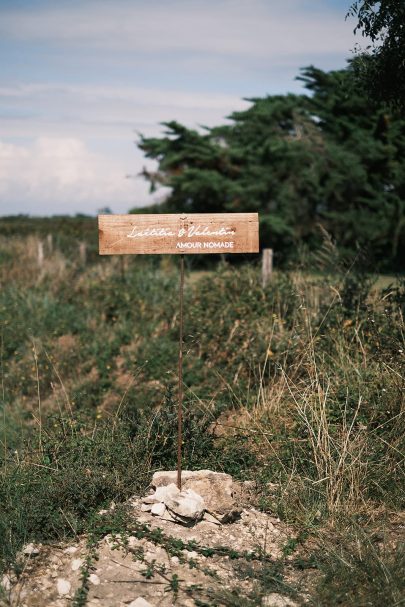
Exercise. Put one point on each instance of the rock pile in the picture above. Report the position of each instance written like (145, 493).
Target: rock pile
(185, 507)
(204, 494)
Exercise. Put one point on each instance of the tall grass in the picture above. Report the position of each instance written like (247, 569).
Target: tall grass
(300, 384)
(335, 396)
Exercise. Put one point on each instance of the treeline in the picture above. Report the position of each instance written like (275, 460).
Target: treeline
(329, 160)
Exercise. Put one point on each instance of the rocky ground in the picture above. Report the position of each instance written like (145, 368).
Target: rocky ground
(159, 561)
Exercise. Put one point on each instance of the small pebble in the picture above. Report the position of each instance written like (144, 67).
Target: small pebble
(132, 541)
(63, 586)
(6, 582)
(94, 579)
(30, 550)
(140, 602)
(76, 564)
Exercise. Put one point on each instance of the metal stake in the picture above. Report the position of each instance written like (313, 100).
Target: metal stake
(180, 406)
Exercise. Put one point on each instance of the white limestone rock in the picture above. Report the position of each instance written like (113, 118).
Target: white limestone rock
(187, 505)
(30, 550)
(6, 582)
(212, 519)
(94, 579)
(161, 494)
(63, 586)
(216, 488)
(140, 602)
(158, 509)
(278, 600)
(76, 564)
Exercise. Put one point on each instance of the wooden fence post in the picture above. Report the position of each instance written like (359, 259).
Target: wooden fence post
(49, 241)
(83, 253)
(267, 266)
(40, 253)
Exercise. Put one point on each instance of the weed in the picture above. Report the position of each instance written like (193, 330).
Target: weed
(358, 570)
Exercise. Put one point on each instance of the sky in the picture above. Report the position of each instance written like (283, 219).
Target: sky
(81, 79)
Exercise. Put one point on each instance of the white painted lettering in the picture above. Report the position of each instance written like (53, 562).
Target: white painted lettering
(149, 232)
(192, 232)
(205, 231)
(189, 245)
(218, 245)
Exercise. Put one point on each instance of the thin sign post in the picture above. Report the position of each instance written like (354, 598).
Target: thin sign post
(180, 376)
(180, 234)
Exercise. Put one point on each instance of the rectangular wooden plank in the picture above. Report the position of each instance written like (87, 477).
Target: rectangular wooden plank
(196, 233)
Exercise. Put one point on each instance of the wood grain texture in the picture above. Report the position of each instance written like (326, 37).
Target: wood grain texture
(196, 233)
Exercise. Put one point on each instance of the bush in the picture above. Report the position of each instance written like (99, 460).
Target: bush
(68, 473)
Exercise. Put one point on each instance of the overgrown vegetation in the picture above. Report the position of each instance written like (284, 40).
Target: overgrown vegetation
(300, 384)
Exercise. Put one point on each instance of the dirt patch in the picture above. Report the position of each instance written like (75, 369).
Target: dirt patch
(142, 565)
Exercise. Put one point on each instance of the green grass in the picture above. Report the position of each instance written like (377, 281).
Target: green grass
(360, 569)
(304, 380)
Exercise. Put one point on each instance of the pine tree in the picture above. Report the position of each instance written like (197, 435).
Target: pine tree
(330, 158)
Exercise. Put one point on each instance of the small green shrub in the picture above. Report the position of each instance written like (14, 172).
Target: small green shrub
(54, 490)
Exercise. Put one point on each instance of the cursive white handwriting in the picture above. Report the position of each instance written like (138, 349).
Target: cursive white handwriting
(189, 232)
(136, 233)
(204, 231)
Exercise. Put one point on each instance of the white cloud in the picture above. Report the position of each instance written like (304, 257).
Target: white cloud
(56, 175)
(106, 111)
(58, 171)
(68, 122)
(142, 96)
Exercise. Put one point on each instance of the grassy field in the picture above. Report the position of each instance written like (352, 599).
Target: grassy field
(300, 384)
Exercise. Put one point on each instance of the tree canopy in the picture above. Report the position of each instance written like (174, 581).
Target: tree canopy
(382, 67)
(329, 159)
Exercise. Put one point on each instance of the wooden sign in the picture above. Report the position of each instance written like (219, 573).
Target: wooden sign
(179, 234)
(185, 233)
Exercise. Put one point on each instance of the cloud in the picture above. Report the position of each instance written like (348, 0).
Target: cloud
(61, 175)
(139, 95)
(272, 30)
(56, 170)
(82, 77)
(106, 111)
